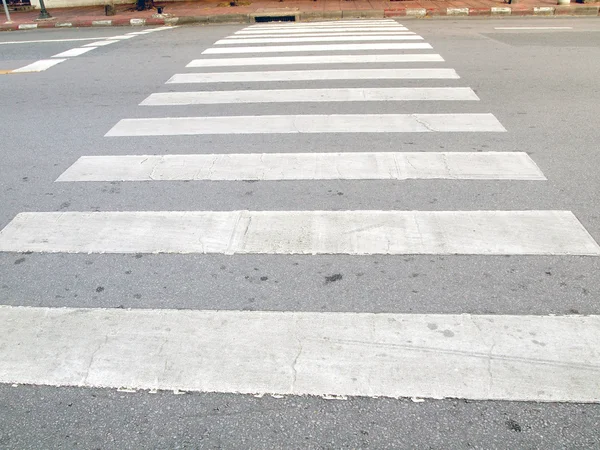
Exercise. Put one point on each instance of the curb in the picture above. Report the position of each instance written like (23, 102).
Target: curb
(559, 10)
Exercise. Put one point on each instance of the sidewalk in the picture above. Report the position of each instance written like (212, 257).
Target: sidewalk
(203, 11)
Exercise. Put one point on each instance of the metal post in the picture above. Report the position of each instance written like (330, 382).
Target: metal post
(6, 12)
(44, 14)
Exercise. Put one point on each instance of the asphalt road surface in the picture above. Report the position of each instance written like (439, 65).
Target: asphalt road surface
(387, 239)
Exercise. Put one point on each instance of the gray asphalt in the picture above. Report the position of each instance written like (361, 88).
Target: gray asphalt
(542, 86)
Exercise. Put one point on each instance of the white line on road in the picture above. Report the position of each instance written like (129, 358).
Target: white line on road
(359, 22)
(301, 232)
(316, 59)
(478, 357)
(533, 28)
(289, 40)
(304, 31)
(314, 75)
(311, 95)
(121, 37)
(100, 43)
(306, 166)
(52, 40)
(74, 52)
(291, 124)
(319, 48)
(39, 66)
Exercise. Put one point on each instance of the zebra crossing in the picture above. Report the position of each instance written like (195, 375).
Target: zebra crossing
(483, 357)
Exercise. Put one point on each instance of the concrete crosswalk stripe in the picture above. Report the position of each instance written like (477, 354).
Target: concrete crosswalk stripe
(319, 48)
(301, 232)
(74, 52)
(39, 66)
(291, 124)
(477, 357)
(306, 166)
(289, 40)
(316, 59)
(313, 75)
(320, 31)
(311, 95)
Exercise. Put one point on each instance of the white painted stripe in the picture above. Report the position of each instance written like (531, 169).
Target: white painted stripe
(317, 59)
(303, 31)
(74, 52)
(41, 41)
(319, 48)
(301, 232)
(100, 43)
(358, 22)
(39, 66)
(311, 95)
(242, 37)
(289, 40)
(306, 166)
(121, 37)
(314, 75)
(136, 33)
(533, 28)
(310, 26)
(478, 357)
(291, 124)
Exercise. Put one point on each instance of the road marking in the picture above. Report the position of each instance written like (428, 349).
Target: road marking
(39, 66)
(358, 22)
(319, 31)
(51, 40)
(121, 37)
(99, 43)
(291, 124)
(317, 59)
(314, 75)
(301, 232)
(533, 28)
(311, 95)
(289, 40)
(306, 166)
(74, 52)
(330, 26)
(478, 357)
(319, 48)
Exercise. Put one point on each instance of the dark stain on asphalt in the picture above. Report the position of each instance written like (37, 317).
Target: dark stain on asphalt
(138, 256)
(264, 278)
(333, 278)
(19, 261)
(513, 426)
(99, 289)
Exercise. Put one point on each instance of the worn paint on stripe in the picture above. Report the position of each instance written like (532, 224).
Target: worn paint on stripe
(306, 166)
(478, 357)
(316, 59)
(74, 52)
(39, 66)
(311, 95)
(289, 40)
(318, 48)
(301, 232)
(291, 124)
(313, 75)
